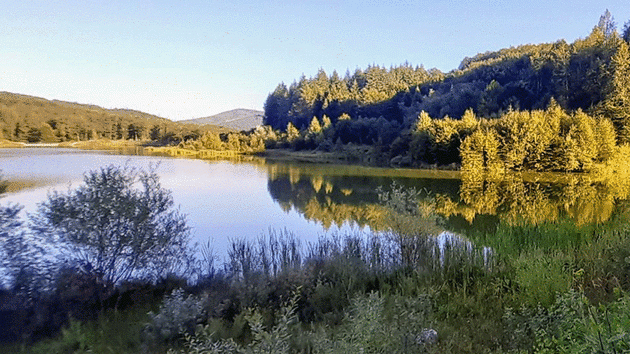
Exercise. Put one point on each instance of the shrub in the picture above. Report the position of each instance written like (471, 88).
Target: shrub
(275, 340)
(571, 325)
(374, 326)
(178, 315)
(120, 224)
(542, 276)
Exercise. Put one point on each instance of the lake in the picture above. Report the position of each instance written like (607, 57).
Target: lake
(226, 200)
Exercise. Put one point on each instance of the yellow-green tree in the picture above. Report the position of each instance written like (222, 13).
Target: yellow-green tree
(469, 122)
(48, 134)
(517, 135)
(326, 123)
(583, 132)
(480, 152)
(234, 142)
(314, 128)
(606, 139)
(212, 141)
(292, 132)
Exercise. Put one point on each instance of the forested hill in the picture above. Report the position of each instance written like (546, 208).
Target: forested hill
(237, 119)
(34, 119)
(551, 102)
(577, 75)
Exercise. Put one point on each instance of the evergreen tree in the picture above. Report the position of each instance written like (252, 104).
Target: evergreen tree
(625, 35)
(18, 132)
(34, 135)
(583, 132)
(277, 107)
(119, 131)
(155, 133)
(607, 24)
(326, 123)
(234, 142)
(212, 141)
(606, 139)
(314, 128)
(616, 106)
(292, 133)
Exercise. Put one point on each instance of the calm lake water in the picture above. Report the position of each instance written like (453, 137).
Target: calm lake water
(228, 200)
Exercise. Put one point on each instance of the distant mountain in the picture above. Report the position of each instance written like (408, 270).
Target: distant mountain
(237, 119)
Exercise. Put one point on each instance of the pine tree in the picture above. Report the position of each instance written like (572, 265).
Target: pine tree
(155, 133)
(625, 35)
(326, 123)
(314, 128)
(212, 141)
(18, 132)
(606, 139)
(616, 106)
(424, 123)
(471, 150)
(277, 107)
(119, 131)
(607, 24)
(584, 128)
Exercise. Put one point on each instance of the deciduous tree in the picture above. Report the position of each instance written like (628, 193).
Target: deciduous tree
(120, 223)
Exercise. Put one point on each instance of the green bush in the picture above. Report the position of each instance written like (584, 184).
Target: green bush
(571, 325)
(375, 325)
(178, 314)
(274, 340)
(542, 276)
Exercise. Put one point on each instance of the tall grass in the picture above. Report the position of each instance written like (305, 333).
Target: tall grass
(376, 292)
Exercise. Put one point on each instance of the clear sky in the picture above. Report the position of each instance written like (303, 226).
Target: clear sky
(187, 59)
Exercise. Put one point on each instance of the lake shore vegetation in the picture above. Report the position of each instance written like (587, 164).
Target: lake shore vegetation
(548, 287)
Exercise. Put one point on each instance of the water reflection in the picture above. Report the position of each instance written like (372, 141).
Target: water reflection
(534, 199)
(329, 197)
(333, 197)
(227, 200)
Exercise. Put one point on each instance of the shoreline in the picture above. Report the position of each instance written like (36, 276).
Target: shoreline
(101, 144)
(299, 157)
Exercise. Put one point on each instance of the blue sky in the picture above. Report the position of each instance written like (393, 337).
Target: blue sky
(187, 59)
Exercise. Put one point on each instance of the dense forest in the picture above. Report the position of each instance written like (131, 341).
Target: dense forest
(32, 119)
(584, 81)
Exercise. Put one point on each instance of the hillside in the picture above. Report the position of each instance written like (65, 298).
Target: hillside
(35, 119)
(546, 107)
(237, 119)
(578, 75)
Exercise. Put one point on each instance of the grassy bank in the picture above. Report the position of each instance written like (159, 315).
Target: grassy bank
(286, 155)
(103, 144)
(370, 293)
(551, 287)
(10, 144)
